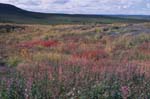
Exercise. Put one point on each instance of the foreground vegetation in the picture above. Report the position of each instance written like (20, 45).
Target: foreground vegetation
(75, 61)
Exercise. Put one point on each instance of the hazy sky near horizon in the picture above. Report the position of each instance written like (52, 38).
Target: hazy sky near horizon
(84, 6)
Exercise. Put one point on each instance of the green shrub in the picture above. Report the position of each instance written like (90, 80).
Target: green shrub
(40, 89)
(139, 56)
(13, 61)
(102, 91)
(128, 42)
(12, 89)
(98, 30)
(17, 90)
(3, 90)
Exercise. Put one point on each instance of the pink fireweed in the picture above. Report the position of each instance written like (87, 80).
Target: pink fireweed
(125, 92)
(36, 70)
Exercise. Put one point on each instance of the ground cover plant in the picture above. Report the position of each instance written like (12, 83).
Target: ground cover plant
(91, 61)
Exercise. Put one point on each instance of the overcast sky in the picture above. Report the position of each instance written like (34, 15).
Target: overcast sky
(84, 6)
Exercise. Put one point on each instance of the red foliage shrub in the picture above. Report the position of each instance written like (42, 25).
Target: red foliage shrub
(145, 47)
(94, 54)
(70, 46)
(48, 43)
(30, 44)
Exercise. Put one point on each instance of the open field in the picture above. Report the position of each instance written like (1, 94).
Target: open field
(95, 61)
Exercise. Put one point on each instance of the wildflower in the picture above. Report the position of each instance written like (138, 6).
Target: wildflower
(125, 92)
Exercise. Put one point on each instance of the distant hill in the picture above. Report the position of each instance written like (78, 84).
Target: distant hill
(13, 14)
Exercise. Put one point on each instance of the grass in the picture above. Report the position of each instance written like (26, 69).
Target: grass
(75, 62)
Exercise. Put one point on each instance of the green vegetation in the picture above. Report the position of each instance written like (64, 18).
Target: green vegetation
(13, 61)
(90, 61)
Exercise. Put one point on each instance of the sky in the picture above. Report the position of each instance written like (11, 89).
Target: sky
(127, 7)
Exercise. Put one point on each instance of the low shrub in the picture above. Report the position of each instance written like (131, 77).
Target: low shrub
(13, 61)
